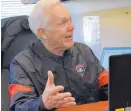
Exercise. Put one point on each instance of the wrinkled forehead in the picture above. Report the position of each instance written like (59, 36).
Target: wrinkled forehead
(59, 11)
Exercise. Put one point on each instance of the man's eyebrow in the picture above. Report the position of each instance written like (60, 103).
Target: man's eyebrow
(65, 18)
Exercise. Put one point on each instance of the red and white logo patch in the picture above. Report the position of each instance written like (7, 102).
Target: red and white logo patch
(80, 69)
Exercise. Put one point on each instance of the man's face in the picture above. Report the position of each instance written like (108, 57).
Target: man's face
(60, 31)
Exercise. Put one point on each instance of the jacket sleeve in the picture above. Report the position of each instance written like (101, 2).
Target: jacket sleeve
(22, 92)
(102, 77)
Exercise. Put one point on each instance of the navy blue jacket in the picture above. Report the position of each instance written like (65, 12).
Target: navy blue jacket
(78, 70)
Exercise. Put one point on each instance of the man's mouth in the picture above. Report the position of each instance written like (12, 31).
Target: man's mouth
(68, 37)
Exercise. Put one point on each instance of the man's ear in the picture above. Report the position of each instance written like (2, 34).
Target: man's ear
(41, 33)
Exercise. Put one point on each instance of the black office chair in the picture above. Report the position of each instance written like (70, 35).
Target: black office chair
(15, 36)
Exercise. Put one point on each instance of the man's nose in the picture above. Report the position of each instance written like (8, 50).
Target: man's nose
(71, 26)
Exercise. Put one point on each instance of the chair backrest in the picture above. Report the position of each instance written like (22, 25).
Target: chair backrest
(16, 35)
(4, 90)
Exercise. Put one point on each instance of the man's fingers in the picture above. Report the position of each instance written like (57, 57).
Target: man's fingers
(50, 80)
(61, 96)
(61, 102)
(68, 104)
(69, 99)
(66, 100)
(56, 89)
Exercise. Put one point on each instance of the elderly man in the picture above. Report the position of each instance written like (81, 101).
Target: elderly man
(55, 71)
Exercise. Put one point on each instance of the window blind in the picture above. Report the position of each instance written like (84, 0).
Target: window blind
(10, 8)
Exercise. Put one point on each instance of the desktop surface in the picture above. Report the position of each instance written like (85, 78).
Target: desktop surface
(98, 106)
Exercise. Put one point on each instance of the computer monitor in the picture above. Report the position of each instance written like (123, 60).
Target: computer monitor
(108, 51)
(119, 81)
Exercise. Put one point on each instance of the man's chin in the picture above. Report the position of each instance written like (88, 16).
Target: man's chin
(69, 45)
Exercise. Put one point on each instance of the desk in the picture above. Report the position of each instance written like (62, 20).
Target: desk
(99, 106)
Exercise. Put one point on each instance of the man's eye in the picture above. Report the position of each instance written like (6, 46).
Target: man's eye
(63, 22)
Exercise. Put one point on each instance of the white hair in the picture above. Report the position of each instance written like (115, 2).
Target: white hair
(38, 18)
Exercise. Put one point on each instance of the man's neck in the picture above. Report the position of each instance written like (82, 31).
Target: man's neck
(56, 51)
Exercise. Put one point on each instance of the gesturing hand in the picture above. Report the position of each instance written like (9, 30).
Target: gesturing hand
(51, 96)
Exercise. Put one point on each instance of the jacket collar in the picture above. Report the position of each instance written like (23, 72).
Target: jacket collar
(40, 50)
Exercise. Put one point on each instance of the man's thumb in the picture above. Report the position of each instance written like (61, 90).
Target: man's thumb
(50, 80)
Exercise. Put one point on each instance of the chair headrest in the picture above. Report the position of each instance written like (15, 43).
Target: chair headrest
(16, 37)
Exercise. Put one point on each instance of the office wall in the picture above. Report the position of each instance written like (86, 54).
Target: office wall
(115, 27)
